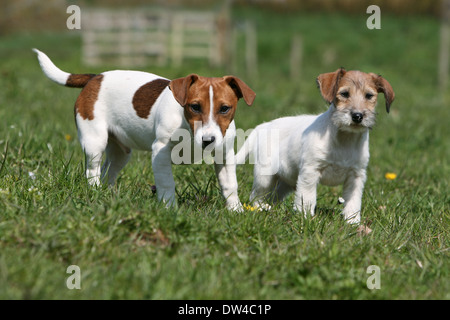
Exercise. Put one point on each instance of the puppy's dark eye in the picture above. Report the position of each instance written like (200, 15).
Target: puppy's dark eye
(345, 94)
(224, 109)
(369, 96)
(195, 107)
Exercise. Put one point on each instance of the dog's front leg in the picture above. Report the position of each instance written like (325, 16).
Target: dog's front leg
(226, 175)
(162, 171)
(306, 191)
(353, 190)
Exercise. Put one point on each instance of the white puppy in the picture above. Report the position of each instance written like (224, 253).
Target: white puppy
(298, 153)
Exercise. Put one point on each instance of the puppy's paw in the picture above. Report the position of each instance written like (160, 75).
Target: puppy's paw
(264, 207)
(354, 218)
(236, 207)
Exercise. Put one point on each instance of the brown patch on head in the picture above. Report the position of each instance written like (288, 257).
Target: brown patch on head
(197, 102)
(354, 89)
(225, 101)
(79, 80)
(193, 93)
(354, 96)
(84, 105)
(241, 89)
(328, 84)
(384, 86)
(146, 95)
(180, 88)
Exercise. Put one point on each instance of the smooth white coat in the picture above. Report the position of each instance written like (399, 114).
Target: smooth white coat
(114, 114)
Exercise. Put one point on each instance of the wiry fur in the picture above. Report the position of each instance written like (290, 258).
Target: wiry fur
(331, 148)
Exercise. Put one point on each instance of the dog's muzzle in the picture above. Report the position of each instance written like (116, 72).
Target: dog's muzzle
(357, 117)
(206, 142)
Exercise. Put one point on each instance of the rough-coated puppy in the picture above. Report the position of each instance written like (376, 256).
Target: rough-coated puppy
(297, 153)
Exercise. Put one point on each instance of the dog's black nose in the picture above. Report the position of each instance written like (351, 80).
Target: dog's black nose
(206, 143)
(357, 117)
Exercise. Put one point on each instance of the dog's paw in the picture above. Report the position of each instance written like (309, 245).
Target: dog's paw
(306, 213)
(263, 207)
(354, 219)
(236, 207)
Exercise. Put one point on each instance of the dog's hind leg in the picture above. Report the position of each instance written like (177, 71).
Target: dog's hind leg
(306, 191)
(262, 190)
(93, 161)
(93, 139)
(117, 156)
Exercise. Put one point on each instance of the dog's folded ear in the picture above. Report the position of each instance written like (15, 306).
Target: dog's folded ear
(241, 89)
(384, 86)
(328, 84)
(180, 87)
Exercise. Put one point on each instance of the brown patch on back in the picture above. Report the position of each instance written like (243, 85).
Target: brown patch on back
(84, 105)
(146, 95)
(79, 80)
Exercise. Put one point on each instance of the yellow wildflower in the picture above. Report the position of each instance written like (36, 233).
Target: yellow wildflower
(249, 207)
(390, 175)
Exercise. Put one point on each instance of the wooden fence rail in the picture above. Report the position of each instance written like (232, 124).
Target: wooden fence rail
(143, 37)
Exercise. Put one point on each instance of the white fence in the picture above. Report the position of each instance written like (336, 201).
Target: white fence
(143, 37)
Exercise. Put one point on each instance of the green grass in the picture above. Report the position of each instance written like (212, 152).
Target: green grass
(130, 247)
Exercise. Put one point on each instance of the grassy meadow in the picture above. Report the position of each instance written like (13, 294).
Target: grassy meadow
(130, 247)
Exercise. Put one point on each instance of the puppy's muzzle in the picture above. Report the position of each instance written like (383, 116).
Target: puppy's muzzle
(207, 141)
(357, 117)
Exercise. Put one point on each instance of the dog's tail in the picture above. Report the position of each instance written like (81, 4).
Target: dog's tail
(61, 77)
(247, 148)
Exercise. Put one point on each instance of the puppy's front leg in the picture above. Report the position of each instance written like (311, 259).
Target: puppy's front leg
(306, 191)
(226, 175)
(162, 171)
(353, 190)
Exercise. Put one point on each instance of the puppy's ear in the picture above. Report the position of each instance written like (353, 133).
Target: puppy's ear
(328, 84)
(180, 88)
(383, 86)
(241, 89)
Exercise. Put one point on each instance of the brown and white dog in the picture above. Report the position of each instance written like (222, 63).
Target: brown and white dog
(121, 110)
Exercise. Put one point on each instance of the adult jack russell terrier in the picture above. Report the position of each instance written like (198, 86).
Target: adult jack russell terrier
(121, 110)
(331, 148)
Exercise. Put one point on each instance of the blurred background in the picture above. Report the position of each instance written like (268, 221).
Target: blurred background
(291, 40)
(278, 47)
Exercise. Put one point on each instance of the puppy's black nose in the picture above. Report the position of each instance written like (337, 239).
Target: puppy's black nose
(206, 143)
(357, 117)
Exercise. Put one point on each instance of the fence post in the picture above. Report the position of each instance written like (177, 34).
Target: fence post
(251, 50)
(296, 57)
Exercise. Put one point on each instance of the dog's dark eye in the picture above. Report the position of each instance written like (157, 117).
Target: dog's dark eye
(195, 107)
(369, 96)
(224, 109)
(345, 94)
